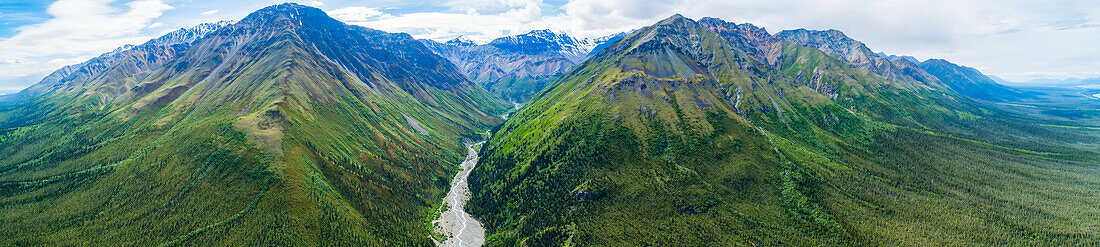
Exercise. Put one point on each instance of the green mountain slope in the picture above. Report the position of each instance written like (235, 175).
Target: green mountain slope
(970, 81)
(690, 134)
(854, 52)
(285, 128)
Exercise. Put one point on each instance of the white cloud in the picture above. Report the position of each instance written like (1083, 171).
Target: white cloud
(357, 14)
(211, 12)
(1015, 39)
(480, 21)
(79, 29)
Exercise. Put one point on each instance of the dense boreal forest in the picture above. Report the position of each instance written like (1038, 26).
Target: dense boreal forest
(290, 128)
(277, 130)
(678, 136)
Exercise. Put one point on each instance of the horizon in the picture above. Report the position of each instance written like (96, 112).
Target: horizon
(34, 42)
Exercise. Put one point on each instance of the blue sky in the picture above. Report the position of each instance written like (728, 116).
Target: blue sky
(17, 13)
(1013, 39)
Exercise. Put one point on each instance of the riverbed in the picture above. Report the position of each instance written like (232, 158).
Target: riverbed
(458, 227)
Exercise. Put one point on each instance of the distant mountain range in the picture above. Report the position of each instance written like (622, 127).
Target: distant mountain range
(289, 127)
(115, 70)
(516, 68)
(970, 81)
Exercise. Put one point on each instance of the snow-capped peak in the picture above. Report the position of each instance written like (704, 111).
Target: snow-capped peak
(461, 40)
(188, 35)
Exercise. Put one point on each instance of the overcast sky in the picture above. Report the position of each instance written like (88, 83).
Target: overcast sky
(1012, 39)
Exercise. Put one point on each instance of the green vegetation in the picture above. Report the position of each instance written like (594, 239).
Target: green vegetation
(259, 134)
(674, 137)
(278, 132)
(517, 89)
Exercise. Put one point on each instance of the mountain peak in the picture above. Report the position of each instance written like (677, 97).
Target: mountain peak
(674, 47)
(756, 41)
(833, 42)
(284, 9)
(744, 28)
(674, 19)
(537, 41)
(461, 40)
(290, 13)
(832, 34)
(969, 81)
(188, 35)
(937, 60)
(906, 58)
(676, 16)
(542, 32)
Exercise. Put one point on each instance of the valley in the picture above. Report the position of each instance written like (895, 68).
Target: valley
(1073, 105)
(291, 127)
(456, 226)
(724, 137)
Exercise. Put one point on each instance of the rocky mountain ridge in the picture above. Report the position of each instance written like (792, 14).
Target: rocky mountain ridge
(136, 60)
(710, 133)
(518, 67)
(287, 127)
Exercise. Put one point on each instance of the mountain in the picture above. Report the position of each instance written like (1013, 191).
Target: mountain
(757, 42)
(125, 61)
(970, 81)
(836, 43)
(892, 57)
(998, 79)
(713, 133)
(287, 127)
(517, 67)
(933, 72)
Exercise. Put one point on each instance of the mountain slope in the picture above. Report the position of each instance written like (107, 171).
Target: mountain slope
(115, 66)
(708, 133)
(836, 43)
(518, 67)
(970, 81)
(285, 128)
(655, 132)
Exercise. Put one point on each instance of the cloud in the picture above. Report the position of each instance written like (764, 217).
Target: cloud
(603, 15)
(79, 29)
(1003, 37)
(211, 12)
(1015, 39)
(357, 14)
(1018, 39)
(479, 21)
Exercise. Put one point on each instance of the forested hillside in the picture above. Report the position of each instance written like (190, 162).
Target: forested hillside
(690, 133)
(285, 128)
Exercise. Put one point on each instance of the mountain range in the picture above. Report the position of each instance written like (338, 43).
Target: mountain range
(516, 68)
(970, 81)
(710, 133)
(125, 61)
(285, 127)
(289, 127)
